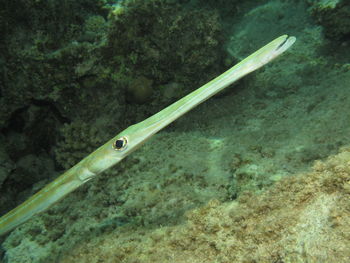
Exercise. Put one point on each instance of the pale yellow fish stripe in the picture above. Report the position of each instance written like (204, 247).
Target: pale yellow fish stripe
(134, 136)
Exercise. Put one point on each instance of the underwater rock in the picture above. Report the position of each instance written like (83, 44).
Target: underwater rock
(166, 43)
(287, 223)
(334, 16)
(140, 90)
(6, 164)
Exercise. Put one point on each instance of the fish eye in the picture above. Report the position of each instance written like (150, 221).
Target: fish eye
(120, 143)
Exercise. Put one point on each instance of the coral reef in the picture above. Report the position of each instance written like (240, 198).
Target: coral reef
(165, 42)
(334, 16)
(7, 165)
(246, 150)
(140, 90)
(291, 222)
(36, 67)
(79, 64)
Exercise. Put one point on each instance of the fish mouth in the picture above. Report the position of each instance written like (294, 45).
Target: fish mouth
(286, 43)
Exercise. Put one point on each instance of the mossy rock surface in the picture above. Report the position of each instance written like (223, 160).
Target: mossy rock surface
(334, 16)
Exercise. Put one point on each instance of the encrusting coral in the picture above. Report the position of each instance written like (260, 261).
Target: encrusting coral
(72, 62)
(304, 218)
(333, 15)
(79, 83)
(161, 44)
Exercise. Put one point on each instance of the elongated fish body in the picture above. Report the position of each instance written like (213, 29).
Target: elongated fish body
(134, 136)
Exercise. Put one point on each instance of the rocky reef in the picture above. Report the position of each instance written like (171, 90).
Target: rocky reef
(259, 173)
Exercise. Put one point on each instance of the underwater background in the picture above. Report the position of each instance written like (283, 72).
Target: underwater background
(258, 173)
